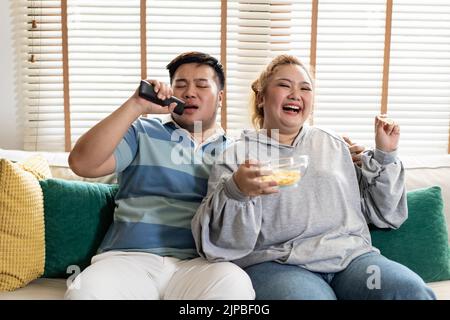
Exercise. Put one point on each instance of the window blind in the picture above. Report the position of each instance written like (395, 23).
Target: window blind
(38, 29)
(174, 27)
(350, 47)
(419, 83)
(104, 60)
(258, 30)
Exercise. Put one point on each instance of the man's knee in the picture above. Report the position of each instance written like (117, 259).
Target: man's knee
(92, 285)
(80, 290)
(77, 294)
(231, 282)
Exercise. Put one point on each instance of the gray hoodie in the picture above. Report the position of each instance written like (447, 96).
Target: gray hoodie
(320, 225)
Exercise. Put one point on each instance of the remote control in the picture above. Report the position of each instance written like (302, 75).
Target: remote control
(147, 92)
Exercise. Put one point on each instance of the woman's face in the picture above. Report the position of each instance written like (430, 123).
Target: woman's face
(288, 99)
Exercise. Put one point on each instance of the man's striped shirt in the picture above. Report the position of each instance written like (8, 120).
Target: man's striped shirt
(163, 177)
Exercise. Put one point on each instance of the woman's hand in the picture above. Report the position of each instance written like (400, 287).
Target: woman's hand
(163, 90)
(387, 133)
(248, 179)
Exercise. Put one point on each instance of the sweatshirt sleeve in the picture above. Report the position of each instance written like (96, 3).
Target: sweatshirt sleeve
(382, 186)
(227, 223)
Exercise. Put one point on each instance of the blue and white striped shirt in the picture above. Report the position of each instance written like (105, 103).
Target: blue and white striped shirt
(163, 177)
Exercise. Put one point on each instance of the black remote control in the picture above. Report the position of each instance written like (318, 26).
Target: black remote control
(147, 92)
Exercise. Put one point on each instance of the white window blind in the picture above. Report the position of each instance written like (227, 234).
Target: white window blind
(104, 58)
(350, 49)
(301, 30)
(258, 30)
(174, 27)
(38, 30)
(104, 53)
(419, 85)
(350, 46)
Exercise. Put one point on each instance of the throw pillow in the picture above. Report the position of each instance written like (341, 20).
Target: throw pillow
(77, 216)
(21, 223)
(421, 242)
(37, 165)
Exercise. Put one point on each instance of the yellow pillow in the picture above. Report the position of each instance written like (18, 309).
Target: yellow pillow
(38, 166)
(22, 238)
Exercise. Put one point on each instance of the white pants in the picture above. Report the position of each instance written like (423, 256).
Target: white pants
(141, 275)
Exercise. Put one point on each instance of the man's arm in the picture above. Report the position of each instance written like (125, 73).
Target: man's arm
(93, 154)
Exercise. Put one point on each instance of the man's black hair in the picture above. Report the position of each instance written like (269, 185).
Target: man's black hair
(200, 58)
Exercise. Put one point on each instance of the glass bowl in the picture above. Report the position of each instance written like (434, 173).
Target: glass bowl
(287, 172)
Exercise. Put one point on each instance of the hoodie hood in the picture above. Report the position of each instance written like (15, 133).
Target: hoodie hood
(265, 148)
(261, 137)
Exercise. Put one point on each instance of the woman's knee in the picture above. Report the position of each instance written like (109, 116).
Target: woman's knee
(412, 287)
(373, 276)
(293, 291)
(274, 281)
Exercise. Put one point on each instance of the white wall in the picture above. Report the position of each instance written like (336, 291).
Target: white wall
(10, 119)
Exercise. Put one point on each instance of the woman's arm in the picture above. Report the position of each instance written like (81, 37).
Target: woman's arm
(382, 186)
(228, 221)
(382, 179)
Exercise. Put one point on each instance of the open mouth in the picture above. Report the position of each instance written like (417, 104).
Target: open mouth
(190, 107)
(292, 108)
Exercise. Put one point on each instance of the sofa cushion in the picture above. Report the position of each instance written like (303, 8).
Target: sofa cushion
(21, 222)
(421, 242)
(58, 164)
(77, 216)
(424, 171)
(39, 289)
(37, 165)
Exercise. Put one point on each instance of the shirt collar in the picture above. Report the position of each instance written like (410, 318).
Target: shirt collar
(219, 132)
(167, 118)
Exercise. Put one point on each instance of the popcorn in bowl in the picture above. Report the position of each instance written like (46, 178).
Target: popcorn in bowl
(287, 172)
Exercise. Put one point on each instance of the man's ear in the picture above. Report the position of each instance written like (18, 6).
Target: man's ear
(220, 98)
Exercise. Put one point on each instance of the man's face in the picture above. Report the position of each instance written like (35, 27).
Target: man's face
(196, 84)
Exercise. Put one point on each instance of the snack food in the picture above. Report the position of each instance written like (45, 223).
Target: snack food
(385, 120)
(284, 177)
(286, 171)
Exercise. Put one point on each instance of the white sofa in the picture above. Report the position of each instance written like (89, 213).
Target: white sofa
(421, 172)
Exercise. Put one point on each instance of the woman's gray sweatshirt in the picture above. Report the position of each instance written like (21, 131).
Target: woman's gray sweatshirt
(320, 225)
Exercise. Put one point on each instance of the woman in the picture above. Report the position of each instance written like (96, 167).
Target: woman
(313, 241)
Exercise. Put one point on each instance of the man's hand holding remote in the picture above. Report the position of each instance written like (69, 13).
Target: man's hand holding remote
(163, 91)
(161, 95)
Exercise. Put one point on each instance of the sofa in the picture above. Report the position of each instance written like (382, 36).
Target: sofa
(423, 242)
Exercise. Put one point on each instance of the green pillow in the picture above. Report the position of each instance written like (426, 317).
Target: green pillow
(77, 215)
(421, 242)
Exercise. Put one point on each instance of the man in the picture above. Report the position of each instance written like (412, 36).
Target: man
(162, 166)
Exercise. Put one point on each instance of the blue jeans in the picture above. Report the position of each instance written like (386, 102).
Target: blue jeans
(369, 276)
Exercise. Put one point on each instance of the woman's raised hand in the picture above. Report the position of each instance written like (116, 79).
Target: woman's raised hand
(387, 133)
